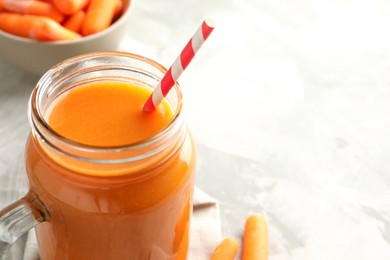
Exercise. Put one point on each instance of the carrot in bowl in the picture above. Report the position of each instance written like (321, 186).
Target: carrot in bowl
(99, 16)
(255, 244)
(118, 9)
(33, 7)
(75, 21)
(226, 250)
(70, 6)
(1, 7)
(35, 27)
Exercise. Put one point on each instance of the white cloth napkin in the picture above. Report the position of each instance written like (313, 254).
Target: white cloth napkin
(205, 232)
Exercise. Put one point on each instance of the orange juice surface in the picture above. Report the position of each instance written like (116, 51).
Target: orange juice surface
(107, 113)
(112, 216)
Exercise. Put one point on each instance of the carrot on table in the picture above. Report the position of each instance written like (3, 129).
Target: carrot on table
(255, 244)
(33, 7)
(69, 7)
(226, 250)
(99, 16)
(35, 27)
(75, 21)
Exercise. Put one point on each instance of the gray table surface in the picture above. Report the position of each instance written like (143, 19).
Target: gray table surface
(289, 105)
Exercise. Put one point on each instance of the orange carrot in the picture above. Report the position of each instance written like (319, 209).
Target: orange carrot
(118, 9)
(1, 6)
(35, 27)
(75, 21)
(226, 250)
(69, 7)
(33, 7)
(99, 16)
(255, 244)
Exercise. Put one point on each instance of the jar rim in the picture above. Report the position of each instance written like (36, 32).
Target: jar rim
(42, 127)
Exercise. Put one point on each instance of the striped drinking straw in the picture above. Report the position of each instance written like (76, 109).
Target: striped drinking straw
(180, 64)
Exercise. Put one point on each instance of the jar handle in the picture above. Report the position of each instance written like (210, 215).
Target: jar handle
(18, 218)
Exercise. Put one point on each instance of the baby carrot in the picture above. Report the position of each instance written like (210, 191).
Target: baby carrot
(33, 7)
(118, 9)
(99, 16)
(255, 244)
(49, 30)
(226, 250)
(70, 6)
(35, 27)
(75, 21)
(1, 6)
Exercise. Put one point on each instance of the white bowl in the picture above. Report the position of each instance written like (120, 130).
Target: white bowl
(37, 57)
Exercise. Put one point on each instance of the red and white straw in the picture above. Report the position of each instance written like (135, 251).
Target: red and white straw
(180, 64)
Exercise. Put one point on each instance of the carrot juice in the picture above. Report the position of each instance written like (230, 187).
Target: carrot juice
(117, 182)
